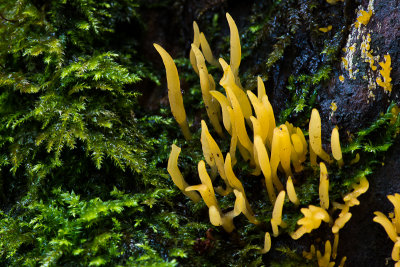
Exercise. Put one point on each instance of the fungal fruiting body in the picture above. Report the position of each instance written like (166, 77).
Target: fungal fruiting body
(267, 243)
(315, 136)
(196, 42)
(277, 214)
(335, 146)
(174, 92)
(324, 187)
(385, 73)
(176, 174)
(291, 192)
(363, 17)
(312, 220)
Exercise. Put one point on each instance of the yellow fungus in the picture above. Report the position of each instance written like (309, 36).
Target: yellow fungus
(236, 53)
(275, 159)
(237, 185)
(386, 224)
(396, 251)
(325, 29)
(205, 189)
(299, 132)
(219, 219)
(323, 186)
(285, 148)
(315, 136)
(334, 2)
(205, 47)
(297, 144)
(364, 17)
(176, 174)
(242, 206)
(196, 42)
(260, 88)
(309, 255)
(211, 106)
(267, 243)
(271, 118)
(291, 192)
(342, 261)
(232, 149)
(224, 103)
(395, 200)
(228, 83)
(355, 160)
(257, 132)
(341, 78)
(324, 261)
(239, 121)
(339, 223)
(265, 166)
(174, 91)
(262, 115)
(277, 213)
(335, 146)
(214, 150)
(385, 73)
(312, 220)
(335, 246)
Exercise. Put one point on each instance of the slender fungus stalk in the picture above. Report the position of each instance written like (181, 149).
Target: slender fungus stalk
(395, 199)
(205, 47)
(386, 224)
(236, 52)
(271, 118)
(174, 91)
(263, 159)
(277, 213)
(275, 159)
(267, 243)
(224, 103)
(262, 115)
(335, 145)
(257, 131)
(335, 246)
(285, 148)
(315, 136)
(211, 106)
(196, 42)
(176, 174)
(234, 138)
(291, 192)
(260, 89)
(324, 187)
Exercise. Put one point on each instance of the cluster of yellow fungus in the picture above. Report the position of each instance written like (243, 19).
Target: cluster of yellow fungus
(363, 17)
(392, 226)
(274, 151)
(350, 200)
(325, 29)
(385, 72)
(327, 259)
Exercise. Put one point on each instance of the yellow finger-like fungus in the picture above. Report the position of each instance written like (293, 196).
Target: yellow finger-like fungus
(277, 213)
(335, 146)
(242, 206)
(234, 138)
(215, 216)
(174, 91)
(299, 133)
(214, 149)
(315, 136)
(312, 220)
(236, 52)
(260, 89)
(297, 144)
(358, 189)
(176, 174)
(271, 118)
(324, 186)
(257, 132)
(395, 199)
(386, 224)
(325, 29)
(224, 103)
(285, 148)
(211, 106)
(239, 122)
(385, 72)
(263, 159)
(339, 223)
(228, 82)
(324, 261)
(205, 189)
(309, 255)
(275, 159)
(396, 251)
(364, 17)
(219, 219)
(208, 156)
(196, 42)
(342, 261)
(335, 246)
(262, 115)
(205, 47)
(355, 160)
(267, 243)
(291, 192)
(237, 186)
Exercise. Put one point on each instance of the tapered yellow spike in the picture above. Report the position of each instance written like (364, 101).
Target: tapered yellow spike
(236, 52)
(174, 91)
